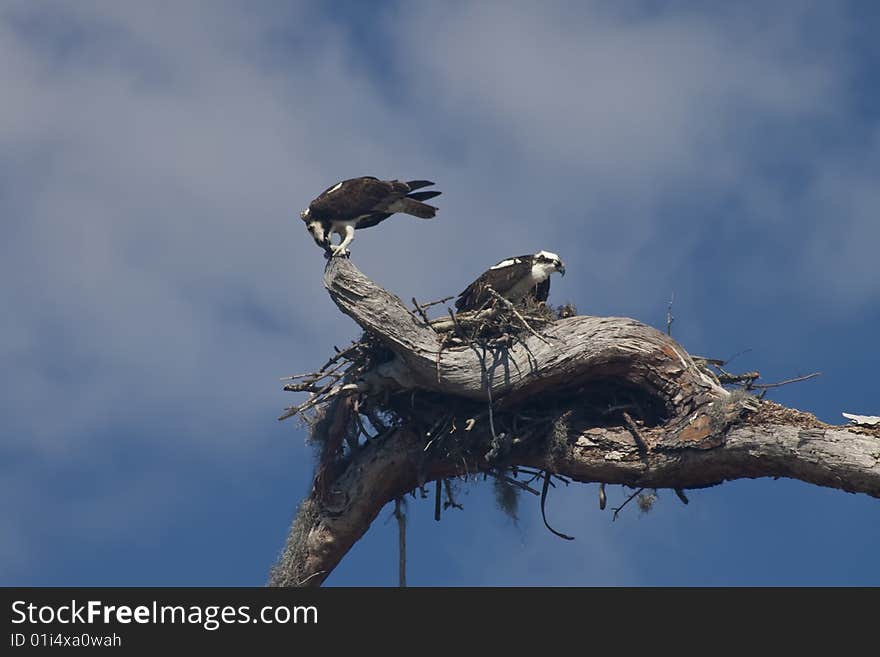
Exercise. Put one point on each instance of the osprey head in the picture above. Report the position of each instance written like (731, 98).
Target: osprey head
(551, 261)
(316, 229)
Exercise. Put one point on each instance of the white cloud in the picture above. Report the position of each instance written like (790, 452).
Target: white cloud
(645, 132)
(153, 163)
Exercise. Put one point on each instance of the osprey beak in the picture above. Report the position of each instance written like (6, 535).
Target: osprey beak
(561, 269)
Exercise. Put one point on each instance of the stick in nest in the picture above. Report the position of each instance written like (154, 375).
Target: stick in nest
(515, 482)
(459, 331)
(450, 498)
(746, 377)
(312, 377)
(348, 388)
(628, 500)
(544, 490)
(634, 429)
(481, 356)
(787, 381)
(421, 310)
(513, 309)
(425, 306)
(438, 486)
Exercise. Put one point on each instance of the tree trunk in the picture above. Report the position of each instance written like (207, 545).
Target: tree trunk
(690, 432)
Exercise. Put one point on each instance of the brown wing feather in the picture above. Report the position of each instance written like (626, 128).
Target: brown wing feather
(372, 220)
(356, 197)
(472, 296)
(501, 280)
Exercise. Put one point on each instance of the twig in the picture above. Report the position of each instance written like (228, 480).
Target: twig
(529, 471)
(340, 354)
(681, 495)
(314, 377)
(416, 317)
(290, 411)
(309, 386)
(628, 500)
(602, 498)
(736, 355)
(528, 353)
(450, 499)
(437, 489)
(466, 318)
(401, 541)
(544, 490)
(491, 410)
(421, 312)
(439, 354)
(515, 482)
(637, 435)
(716, 362)
(747, 377)
(513, 309)
(764, 386)
(294, 377)
(617, 407)
(536, 475)
(458, 330)
(312, 576)
(669, 316)
(437, 303)
(360, 424)
(437, 429)
(482, 358)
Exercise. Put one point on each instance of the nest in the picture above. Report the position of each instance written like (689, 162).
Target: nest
(342, 417)
(486, 437)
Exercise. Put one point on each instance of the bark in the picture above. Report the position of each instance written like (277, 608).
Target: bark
(704, 436)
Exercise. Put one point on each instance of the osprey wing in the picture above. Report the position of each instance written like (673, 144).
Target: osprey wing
(355, 198)
(401, 205)
(501, 278)
(371, 220)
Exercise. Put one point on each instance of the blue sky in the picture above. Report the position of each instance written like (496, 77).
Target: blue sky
(157, 281)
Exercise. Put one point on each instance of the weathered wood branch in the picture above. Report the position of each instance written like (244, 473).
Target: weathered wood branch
(389, 468)
(706, 435)
(578, 351)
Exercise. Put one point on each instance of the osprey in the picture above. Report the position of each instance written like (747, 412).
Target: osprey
(361, 203)
(514, 279)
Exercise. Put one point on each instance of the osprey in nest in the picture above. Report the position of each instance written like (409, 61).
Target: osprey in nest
(514, 279)
(362, 203)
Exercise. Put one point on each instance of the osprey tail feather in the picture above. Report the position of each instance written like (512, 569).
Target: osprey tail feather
(423, 196)
(413, 207)
(418, 184)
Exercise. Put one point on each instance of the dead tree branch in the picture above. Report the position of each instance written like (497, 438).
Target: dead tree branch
(797, 379)
(693, 433)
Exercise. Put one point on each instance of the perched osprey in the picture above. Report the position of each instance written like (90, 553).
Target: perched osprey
(361, 203)
(514, 279)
